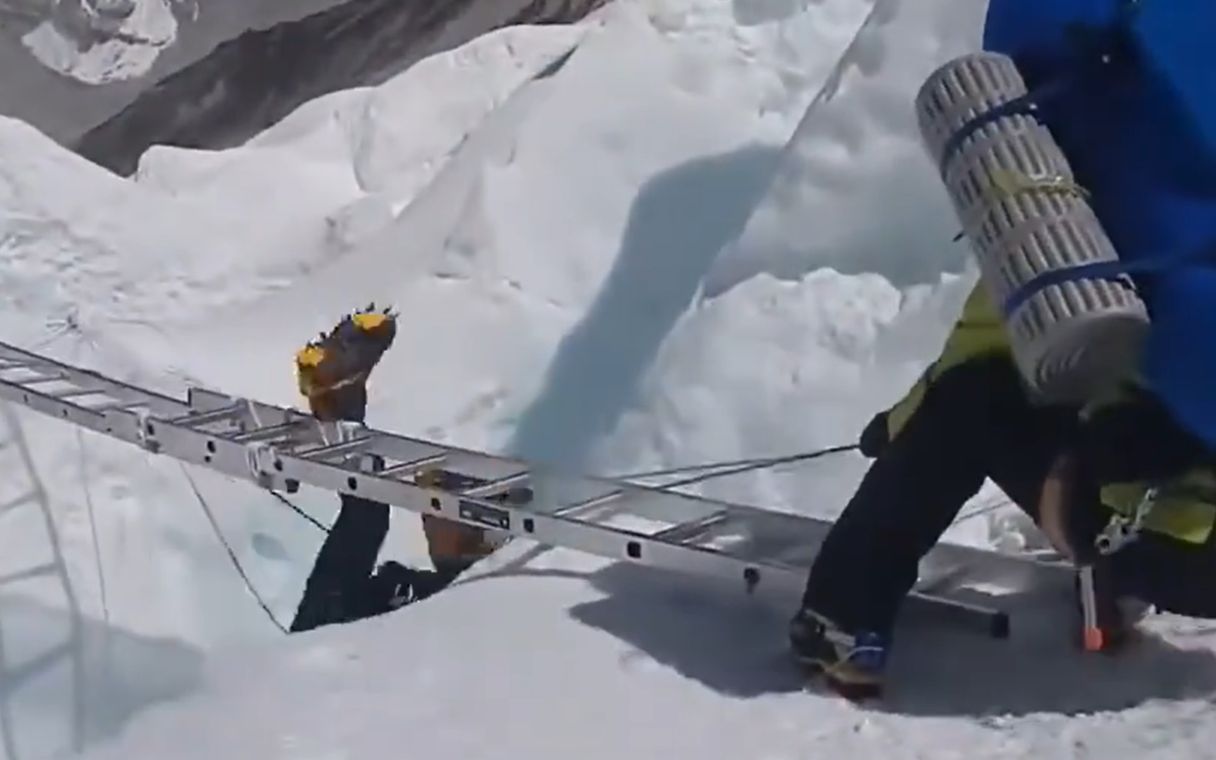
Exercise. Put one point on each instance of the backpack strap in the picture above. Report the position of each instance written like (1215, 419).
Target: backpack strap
(1026, 105)
(1115, 271)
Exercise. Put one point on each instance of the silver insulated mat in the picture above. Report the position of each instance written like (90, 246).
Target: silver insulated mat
(1020, 207)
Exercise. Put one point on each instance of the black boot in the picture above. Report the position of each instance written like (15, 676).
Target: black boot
(394, 585)
(320, 608)
(851, 664)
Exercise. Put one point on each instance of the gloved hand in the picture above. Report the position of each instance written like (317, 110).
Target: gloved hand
(875, 437)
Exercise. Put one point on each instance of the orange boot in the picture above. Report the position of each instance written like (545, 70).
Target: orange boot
(453, 546)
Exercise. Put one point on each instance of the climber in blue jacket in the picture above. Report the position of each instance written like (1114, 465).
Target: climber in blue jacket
(1128, 90)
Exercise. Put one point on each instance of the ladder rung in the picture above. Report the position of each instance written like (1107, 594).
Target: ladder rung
(496, 486)
(978, 617)
(337, 449)
(406, 469)
(693, 528)
(266, 433)
(78, 392)
(120, 406)
(11, 364)
(943, 581)
(32, 572)
(584, 506)
(791, 554)
(57, 377)
(198, 419)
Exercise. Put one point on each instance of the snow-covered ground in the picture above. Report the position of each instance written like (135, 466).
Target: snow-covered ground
(707, 233)
(98, 42)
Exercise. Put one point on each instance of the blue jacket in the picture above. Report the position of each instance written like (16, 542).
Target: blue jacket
(1142, 140)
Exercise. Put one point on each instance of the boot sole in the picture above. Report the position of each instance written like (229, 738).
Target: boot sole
(852, 690)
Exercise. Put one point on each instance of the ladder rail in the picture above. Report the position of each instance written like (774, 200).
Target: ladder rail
(281, 448)
(15, 678)
(121, 420)
(593, 492)
(13, 357)
(569, 533)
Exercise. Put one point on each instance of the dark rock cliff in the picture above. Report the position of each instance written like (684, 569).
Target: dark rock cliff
(253, 81)
(64, 107)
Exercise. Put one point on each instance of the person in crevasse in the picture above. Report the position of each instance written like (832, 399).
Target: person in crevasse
(1148, 449)
(345, 583)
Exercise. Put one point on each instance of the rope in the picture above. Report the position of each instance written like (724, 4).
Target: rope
(741, 465)
(760, 464)
(745, 465)
(236, 562)
(687, 469)
(71, 327)
(300, 512)
(88, 501)
(735, 466)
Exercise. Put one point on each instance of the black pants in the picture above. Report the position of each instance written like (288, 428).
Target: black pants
(337, 587)
(975, 422)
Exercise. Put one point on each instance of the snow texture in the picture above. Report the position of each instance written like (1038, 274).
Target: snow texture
(123, 41)
(678, 231)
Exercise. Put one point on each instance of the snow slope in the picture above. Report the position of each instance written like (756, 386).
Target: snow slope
(89, 257)
(568, 658)
(106, 41)
(147, 279)
(843, 278)
(597, 259)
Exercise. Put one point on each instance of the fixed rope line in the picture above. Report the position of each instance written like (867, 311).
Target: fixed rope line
(756, 464)
(232, 556)
(740, 465)
(320, 526)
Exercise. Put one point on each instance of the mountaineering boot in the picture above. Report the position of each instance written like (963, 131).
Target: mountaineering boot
(394, 585)
(852, 664)
(332, 371)
(454, 546)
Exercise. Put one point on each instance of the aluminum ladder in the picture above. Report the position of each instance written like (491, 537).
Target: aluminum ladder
(30, 497)
(280, 448)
